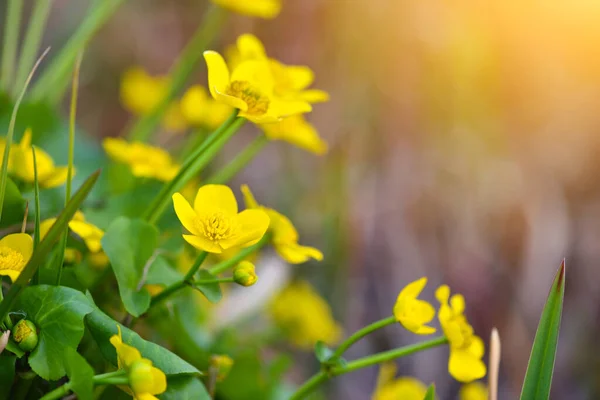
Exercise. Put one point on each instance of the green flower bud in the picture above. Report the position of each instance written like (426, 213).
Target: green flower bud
(25, 334)
(243, 274)
(221, 364)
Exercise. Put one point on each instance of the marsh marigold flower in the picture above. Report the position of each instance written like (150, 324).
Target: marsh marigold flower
(20, 164)
(199, 109)
(141, 93)
(297, 131)
(412, 312)
(466, 349)
(249, 88)
(144, 160)
(145, 380)
(473, 391)
(285, 236)
(390, 388)
(15, 252)
(214, 222)
(254, 8)
(304, 316)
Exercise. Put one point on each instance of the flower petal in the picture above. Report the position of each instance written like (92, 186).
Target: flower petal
(250, 47)
(297, 254)
(249, 199)
(218, 73)
(464, 367)
(253, 225)
(185, 213)
(21, 242)
(212, 198)
(202, 243)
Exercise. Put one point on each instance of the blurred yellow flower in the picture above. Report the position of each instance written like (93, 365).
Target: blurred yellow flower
(285, 236)
(290, 82)
(413, 313)
(297, 131)
(405, 388)
(145, 380)
(144, 160)
(473, 391)
(15, 252)
(249, 88)
(199, 109)
(222, 364)
(89, 233)
(21, 164)
(141, 93)
(466, 349)
(254, 8)
(304, 316)
(214, 222)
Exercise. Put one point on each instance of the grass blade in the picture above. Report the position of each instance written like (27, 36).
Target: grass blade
(538, 378)
(47, 244)
(11, 132)
(12, 24)
(36, 191)
(430, 395)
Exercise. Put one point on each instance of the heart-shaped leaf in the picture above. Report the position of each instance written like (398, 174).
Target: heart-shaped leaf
(81, 375)
(58, 314)
(129, 244)
(185, 388)
(212, 291)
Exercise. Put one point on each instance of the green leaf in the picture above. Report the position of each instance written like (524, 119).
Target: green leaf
(430, 395)
(538, 378)
(129, 244)
(81, 375)
(58, 314)
(13, 209)
(161, 273)
(184, 388)
(212, 291)
(323, 352)
(103, 327)
(46, 245)
(7, 375)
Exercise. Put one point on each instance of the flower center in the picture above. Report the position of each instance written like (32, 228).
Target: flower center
(216, 226)
(257, 103)
(11, 259)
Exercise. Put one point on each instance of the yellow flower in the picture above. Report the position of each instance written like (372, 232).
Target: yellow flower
(145, 380)
(289, 81)
(214, 222)
(285, 235)
(15, 252)
(21, 164)
(405, 388)
(466, 349)
(304, 316)
(249, 88)
(254, 8)
(222, 364)
(413, 313)
(144, 160)
(297, 131)
(141, 93)
(199, 109)
(473, 391)
(89, 233)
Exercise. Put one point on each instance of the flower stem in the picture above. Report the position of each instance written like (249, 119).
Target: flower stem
(183, 68)
(356, 336)
(239, 162)
(12, 24)
(111, 378)
(209, 281)
(33, 37)
(233, 261)
(181, 284)
(320, 377)
(194, 164)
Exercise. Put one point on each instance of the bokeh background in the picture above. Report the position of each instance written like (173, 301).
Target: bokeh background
(464, 146)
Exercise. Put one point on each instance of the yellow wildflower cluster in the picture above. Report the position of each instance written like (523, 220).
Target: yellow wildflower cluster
(21, 166)
(304, 316)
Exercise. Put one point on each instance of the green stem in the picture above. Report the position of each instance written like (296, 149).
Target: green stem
(320, 377)
(209, 281)
(187, 279)
(194, 164)
(12, 25)
(111, 378)
(233, 261)
(240, 161)
(180, 72)
(33, 38)
(58, 393)
(356, 336)
(36, 191)
(54, 80)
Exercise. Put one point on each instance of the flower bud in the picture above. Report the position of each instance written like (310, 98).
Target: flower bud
(243, 274)
(141, 378)
(25, 334)
(221, 364)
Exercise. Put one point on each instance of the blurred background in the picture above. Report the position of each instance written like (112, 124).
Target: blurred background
(464, 146)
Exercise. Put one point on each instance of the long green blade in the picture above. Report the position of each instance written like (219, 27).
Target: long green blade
(538, 378)
(47, 244)
(36, 191)
(430, 395)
